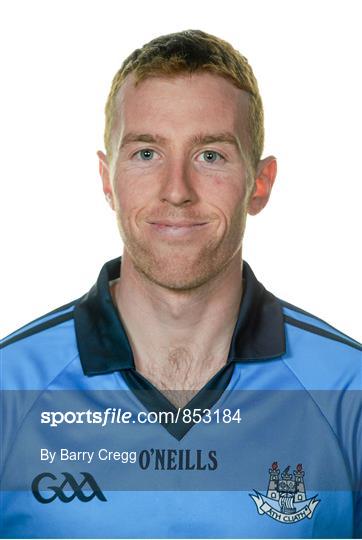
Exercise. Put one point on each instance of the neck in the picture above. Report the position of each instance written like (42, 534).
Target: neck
(180, 339)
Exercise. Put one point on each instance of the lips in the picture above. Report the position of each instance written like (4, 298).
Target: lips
(179, 229)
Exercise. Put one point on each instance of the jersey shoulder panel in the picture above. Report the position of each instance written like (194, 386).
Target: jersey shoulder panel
(53, 317)
(319, 355)
(32, 356)
(308, 322)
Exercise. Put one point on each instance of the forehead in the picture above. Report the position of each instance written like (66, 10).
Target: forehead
(181, 103)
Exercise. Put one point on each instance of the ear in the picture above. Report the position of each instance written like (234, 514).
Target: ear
(106, 178)
(265, 176)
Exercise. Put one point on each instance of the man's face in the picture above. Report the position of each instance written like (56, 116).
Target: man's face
(178, 147)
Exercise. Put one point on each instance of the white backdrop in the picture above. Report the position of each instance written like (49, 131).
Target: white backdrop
(58, 61)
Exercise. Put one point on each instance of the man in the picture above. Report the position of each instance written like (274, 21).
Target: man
(251, 404)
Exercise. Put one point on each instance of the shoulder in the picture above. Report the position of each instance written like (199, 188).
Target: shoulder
(319, 353)
(308, 322)
(33, 355)
(48, 320)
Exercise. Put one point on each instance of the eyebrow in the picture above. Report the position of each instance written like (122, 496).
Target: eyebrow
(199, 139)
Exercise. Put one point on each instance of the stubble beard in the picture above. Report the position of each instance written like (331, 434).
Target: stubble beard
(183, 267)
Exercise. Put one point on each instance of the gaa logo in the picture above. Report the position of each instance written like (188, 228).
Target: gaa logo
(69, 483)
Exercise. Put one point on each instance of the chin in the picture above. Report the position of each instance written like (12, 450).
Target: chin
(177, 273)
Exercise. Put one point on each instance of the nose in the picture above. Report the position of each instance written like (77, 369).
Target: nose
(176, 186)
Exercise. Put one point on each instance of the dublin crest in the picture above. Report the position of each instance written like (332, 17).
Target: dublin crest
(286, 499)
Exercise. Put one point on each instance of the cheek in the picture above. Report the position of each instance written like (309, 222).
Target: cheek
(129, 192)
(130, 202)
(227, 194)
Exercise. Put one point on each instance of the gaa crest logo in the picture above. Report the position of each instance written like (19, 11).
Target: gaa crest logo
(69, 483)
(286, 499)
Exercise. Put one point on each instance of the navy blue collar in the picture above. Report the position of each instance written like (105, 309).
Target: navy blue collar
(104, 347)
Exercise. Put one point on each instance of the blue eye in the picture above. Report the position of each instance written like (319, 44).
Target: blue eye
(146, 154)
(210, 156)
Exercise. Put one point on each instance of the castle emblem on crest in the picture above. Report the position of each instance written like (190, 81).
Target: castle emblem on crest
(286, 500)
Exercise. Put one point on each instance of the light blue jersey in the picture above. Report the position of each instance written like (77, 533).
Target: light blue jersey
(271, 447)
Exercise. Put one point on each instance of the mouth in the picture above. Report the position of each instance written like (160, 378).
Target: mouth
(177, 230)
(177, 223)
